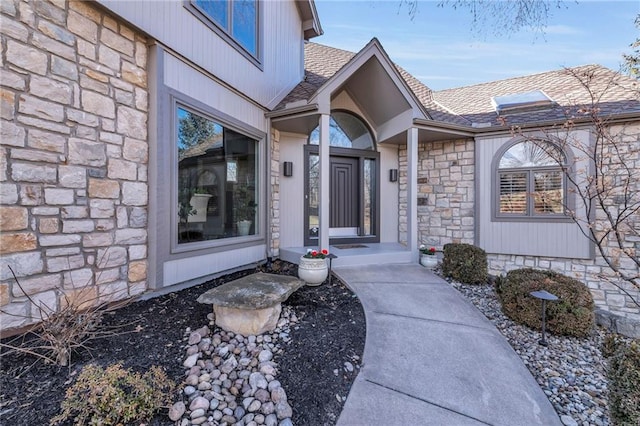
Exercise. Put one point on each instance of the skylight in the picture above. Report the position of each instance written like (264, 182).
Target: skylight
(520, 102)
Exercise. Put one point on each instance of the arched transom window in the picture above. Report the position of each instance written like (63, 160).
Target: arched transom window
(530, 180)
(345, 131)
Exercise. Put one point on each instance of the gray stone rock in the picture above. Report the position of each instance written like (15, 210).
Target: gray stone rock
(262, 395)
(191, 380)
(254, 406)
(238, 412)
(568, 421)
(273, 385)
(194, 338)
(177, 410)
(286, 422)
(197, 413)
(271, 420)
(229, 365)
(283, 410)
(257, 381)
(191, 360)
(189, 390)
(278, 395)
(199, 403)
(265, 356)
(268, 408)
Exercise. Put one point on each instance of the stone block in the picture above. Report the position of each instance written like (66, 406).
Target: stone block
(31, 195)
(8, 193)
(17, 242)
(137, 271)
(248, 322)
(53, 46)
(82, 26)
(117, 42)
(64, 68)
(64, 251)
(121, 169)
(92, 84)
(64, 263)
(87, 152)
(46, 141)
(78, 278)
(132, 123)
(58, 240)
(56, 32)
(11, 134)
(112, 138)
(134, 150)
(133, 74)
(74, 212)
(15, 314)
(23, 264)
(112, 292)
(122, 216)
(32, 155)
(105, 224)
(131, 236)
(77, 226)
(72, 176)
(59, 197)
(26, 57)
(98, 104)
(101, 208)
(5, 294)
(7, 104)
(44, 124)
(142, 99)
(13, 218)
(138, 217)
(107, 276)
(12, 79)
(138, 252)
(112, 256)
(134, 193)
(53, 90)
(86, 49)
(103, 188)
(97, 239)
(81, 298)
(50, 11)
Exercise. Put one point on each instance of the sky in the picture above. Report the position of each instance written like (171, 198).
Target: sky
(440, 47)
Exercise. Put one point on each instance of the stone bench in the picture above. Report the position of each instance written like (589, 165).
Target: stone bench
(250, 305)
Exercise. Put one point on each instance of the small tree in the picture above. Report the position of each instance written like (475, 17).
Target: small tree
(604, 176)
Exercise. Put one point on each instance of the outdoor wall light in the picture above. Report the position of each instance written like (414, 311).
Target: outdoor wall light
(288, 168)
(393, 175)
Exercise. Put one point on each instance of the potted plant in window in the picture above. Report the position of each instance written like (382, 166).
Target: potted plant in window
(313, 268)
(245, 209)
(199, 201)
(428, 257)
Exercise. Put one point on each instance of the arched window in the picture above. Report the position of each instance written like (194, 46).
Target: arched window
(531, 181)
(345, 131)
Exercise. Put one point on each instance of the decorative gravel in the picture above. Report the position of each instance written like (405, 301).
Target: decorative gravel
(570, 371)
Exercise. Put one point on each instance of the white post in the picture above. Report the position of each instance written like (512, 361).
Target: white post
(412, 192)
(323, 204)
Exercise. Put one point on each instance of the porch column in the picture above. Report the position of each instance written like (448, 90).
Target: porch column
(323, 203)
(412, 192)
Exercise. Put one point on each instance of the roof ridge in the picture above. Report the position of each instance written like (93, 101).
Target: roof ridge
(493, 82)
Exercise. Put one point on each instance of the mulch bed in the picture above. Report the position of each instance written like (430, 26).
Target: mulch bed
(331, 331)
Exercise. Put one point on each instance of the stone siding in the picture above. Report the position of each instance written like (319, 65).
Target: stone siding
(73, 160)
(274, 213)
(445, 192)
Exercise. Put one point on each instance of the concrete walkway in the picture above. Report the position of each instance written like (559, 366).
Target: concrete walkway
(431, 358)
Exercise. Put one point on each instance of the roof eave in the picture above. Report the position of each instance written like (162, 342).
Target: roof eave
(310, 20)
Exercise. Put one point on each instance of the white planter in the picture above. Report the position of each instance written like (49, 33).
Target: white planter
(243, 227)
(199, 207)
(313, 271)
(428, 261)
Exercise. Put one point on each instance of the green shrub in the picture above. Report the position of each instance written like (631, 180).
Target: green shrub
(624, 384)
(115, 396)
(571, 315)
(465, 263)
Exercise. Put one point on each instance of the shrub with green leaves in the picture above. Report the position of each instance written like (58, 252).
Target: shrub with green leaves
(465, 263)
(623, 375)
(572, 314)
(114, 396)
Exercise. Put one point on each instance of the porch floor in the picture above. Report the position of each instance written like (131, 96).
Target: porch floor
(357, 254)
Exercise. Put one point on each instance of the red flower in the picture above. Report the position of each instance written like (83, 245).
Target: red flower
(314, 253)
(325, 252)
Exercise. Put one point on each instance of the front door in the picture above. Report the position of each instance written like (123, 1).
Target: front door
(344, 218)
(353, 196)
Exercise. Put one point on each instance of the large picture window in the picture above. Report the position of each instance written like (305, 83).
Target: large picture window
(217, 186)
(530, 181)
(237, 19)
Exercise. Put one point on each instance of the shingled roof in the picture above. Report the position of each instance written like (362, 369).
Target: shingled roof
(323, 62)
(469, 105)
(614, 93)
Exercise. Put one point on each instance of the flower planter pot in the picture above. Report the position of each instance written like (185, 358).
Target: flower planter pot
(243, 227)
(313, 271)
(428, 261)
(199, 205)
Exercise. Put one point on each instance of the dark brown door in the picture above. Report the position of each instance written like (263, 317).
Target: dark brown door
(345, 198)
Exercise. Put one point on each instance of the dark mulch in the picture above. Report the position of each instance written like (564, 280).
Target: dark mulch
(331, 331)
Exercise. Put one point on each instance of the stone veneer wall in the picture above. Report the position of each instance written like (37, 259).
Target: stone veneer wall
(274, 213)
(73, 160)
(445, 192)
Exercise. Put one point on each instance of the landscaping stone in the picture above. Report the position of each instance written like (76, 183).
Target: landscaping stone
(250, 305)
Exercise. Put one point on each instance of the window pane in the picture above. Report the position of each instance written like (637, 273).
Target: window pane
(513, 193)
(218, 10)
(217, 180)
(548, 192)
(245, 24)
(345, 131)
(369, 195)
(314, 191)
(531, 154)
